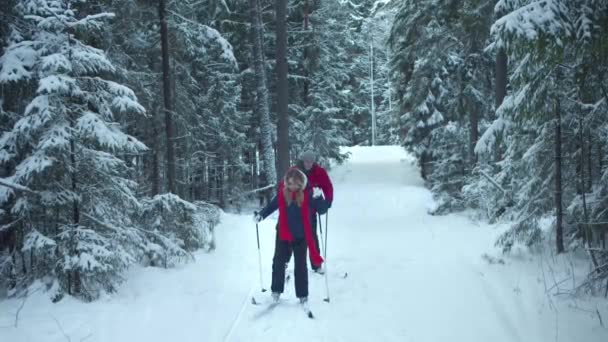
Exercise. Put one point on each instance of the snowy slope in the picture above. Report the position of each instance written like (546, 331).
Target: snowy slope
(411, 277)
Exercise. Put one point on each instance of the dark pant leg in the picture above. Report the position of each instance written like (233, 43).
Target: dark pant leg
(275, 250)
(313, 223)
(300, 270)
(282, 251)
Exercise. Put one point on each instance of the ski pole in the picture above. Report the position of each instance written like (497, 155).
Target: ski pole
(324, 247)
(257, 234)
(326, 231)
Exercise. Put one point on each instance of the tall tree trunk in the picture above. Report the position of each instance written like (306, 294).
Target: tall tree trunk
(282, 88)
(221, 176)
(155, 162)
(473, 136)
(262, 93)
(254, 168)
(587, 145)
(74, 283)
(473, 113)
(501, 76)
(501, 88)
(587, 227)
(164, 39)
(205, 181)
(74, 179)
(559, 233)
(306, 86)
(589, 163)
(600, 160)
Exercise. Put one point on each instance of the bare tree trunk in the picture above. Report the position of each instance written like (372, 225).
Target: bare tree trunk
(473, 114)
(600, 159)
(588, 233)
(559, 233)
(221, 176)
(473, 137)
(205, 182)
(75, 211)
(589, 163)
(155, 163)
(167, 97)
(501, 76)
(501, 86)
(262, 93)
(306, 86)
(75, 205)
(282, 88)
(254, 169)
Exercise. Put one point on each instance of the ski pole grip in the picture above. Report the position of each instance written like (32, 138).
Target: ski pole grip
(257, 233)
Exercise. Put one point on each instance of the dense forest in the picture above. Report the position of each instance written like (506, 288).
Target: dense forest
(128, 125)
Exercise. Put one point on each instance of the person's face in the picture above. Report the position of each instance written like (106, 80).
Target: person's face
(308, 164)
(293, 185)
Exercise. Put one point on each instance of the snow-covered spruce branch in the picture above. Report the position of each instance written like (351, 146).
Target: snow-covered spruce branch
(8, 226)
(267, 187)
(88, 18)
(212, 34)
(84, 21)
(6, 262)
(158, 236)
(600, 250)
(491, 180)
(16, 186)
(259, 189)
(101, 223)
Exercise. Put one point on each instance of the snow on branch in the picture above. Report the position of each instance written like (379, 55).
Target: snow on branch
(533, 21)
(212, 34)
(15, 186)
(34, 240)
(491, 180)
(90, 19)
(485, 144)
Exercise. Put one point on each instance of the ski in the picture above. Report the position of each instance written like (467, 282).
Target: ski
(341, 275)
(307, 310)
(269, 307)
(257, 302)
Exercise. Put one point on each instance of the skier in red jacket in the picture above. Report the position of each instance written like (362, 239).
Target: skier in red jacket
(317, 179)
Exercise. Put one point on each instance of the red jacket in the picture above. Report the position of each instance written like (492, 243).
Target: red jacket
(318, 178)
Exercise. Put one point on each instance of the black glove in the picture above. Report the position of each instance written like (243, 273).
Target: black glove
(257, 217)
(321, 205)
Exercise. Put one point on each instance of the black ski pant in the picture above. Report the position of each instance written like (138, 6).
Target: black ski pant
(313, 223)
(282, 253)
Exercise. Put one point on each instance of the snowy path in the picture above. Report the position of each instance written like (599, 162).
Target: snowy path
(411, 277)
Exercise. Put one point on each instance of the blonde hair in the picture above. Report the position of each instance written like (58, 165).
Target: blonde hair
(298, 177)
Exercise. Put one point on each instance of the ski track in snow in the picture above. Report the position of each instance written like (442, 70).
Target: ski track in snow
(411, 277)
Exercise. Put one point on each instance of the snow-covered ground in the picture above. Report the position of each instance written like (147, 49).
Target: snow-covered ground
(411, 277)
